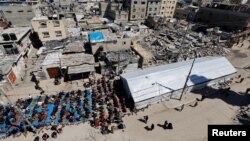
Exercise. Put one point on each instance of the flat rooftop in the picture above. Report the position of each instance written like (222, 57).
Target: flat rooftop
(6, 63)
(20, 32)
(38, 18)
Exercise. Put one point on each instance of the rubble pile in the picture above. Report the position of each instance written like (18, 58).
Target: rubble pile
(125, 60)
(172, 45)
(243, 115)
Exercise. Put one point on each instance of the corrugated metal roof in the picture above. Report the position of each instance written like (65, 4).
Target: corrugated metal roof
(77, 59)
(81, 69)
(158, 80)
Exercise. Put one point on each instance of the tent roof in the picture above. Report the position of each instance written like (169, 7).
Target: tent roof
(159, 80)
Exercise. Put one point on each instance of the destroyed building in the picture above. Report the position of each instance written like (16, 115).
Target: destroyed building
(120, 62)
(177, 41)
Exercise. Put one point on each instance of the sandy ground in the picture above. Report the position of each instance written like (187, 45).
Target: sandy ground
(189, 124)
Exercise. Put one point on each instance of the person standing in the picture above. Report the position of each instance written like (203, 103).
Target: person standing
(152, 127)
(145, 119)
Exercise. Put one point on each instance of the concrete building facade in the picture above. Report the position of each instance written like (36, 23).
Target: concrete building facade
(49, 29)
(18, 15)
(228, 17)
(114, 12)
(14, 47)
(108, 42)
(183, 13)
(168, 8)
(153, 7)
(137, 10)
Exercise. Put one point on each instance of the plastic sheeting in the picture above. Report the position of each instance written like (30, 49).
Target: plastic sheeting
(96, 36)
(153, 82)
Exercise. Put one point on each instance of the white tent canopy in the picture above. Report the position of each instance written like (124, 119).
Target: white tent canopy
(156, 81)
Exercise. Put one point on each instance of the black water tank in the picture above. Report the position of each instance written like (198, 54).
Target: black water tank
(13, 36)
(6, 37)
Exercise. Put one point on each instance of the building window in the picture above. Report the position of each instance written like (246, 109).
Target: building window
(124, 43)
(134, 10)
(9, 49)
(162, 8)
(155, 9)
(143, 2)
(172, 7)
(154, 13)
(151, 2)
(133, 16)
(56, 23)
(58, 33)
(135, 2)
(43, 24)
(8, 11)
(20, 11)
(45, 34)
(164, 2)
(150, 9)
(142, 10)
(149, 14)
(29, 11)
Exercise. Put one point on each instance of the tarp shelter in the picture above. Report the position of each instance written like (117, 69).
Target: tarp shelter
(150, 85)
(96, 37)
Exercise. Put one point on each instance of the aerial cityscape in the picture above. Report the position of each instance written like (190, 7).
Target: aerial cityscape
(124, 70)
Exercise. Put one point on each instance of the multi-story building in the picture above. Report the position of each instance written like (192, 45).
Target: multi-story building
(153, 7)
(14, 47)
(3, 21)
(228, 17)
(187, 13)
(115, 12)
(49, 28)
(18, 15)
(137, 10)
(168, 8)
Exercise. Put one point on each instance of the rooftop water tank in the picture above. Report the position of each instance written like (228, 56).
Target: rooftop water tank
(13, 36)
(6, 37)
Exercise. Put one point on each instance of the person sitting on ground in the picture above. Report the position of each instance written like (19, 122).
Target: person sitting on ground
(121, 126)
(36, 138)
(45, 136)
(54, 135)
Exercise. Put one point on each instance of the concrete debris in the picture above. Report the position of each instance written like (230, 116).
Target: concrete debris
(243, 115)
(168, 44)
(122, 61)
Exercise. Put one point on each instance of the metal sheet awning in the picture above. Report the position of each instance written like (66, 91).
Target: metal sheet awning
(81, 69)
(172, 77)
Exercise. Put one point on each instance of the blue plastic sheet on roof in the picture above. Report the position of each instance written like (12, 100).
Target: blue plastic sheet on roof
(96, 36)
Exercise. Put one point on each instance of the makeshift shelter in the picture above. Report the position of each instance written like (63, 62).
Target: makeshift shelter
(159, 83)
(77, 66)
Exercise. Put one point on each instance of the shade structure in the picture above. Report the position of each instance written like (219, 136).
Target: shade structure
(152, 82)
